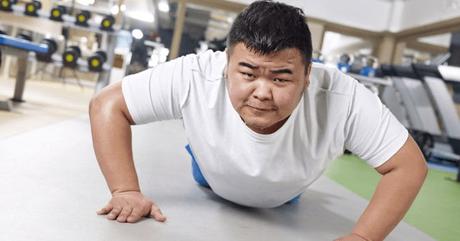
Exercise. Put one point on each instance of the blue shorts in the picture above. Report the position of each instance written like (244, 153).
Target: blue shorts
(199, 178)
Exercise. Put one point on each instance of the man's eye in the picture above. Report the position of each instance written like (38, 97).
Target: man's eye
(279, 80)
(248, 75)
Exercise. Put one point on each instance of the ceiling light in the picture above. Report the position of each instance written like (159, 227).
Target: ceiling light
(115, 10)
(137, 34)
(86, 2)
(163, 6)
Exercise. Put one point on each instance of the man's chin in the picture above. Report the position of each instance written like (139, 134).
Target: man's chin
(262, 127)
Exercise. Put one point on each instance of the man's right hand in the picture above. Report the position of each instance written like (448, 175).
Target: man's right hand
(131, 206)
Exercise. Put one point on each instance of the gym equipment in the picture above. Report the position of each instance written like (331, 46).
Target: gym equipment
(25, 36)
(52, 48)
(45, 59)
(19, 48)
(451, 76)
(317, 57)
(82, 18)
(344, 63)
(22, 44)
(96, 61)
(6, 5)
(444, 104)
(427, 99)
(57, 12)
(368, 69)
(107, 23)
(71, 56)
(32, 8)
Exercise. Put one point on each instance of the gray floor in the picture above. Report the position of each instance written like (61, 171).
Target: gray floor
(51, 188)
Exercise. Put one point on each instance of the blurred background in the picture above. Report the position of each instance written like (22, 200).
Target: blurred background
(55, 55)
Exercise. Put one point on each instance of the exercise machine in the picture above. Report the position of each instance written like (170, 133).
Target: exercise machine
(21, 49)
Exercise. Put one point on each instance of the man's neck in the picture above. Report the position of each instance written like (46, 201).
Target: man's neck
(268, 130)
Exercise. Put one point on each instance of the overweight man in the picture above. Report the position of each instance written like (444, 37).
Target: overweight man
(262, 122)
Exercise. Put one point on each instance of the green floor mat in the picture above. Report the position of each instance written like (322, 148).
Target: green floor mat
(436, 211)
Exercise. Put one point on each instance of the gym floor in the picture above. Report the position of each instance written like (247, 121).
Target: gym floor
(53, 186)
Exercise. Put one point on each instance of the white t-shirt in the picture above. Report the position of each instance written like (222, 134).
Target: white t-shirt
(257, 170)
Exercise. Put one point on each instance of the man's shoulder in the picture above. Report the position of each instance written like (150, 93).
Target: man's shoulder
(331, 80)
(210, 64)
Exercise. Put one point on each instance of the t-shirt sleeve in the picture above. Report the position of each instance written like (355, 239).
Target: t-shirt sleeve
(158, 93)
(372, 131)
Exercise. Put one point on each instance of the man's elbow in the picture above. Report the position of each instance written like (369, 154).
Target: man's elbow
(417, 171)
(102, 104)
(423, 169)
(95, 105)
(110, 104)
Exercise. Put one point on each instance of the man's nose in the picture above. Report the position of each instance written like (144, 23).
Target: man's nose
(263, 90)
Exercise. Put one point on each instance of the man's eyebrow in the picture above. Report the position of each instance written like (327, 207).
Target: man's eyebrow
(281, 71)
(244, 64)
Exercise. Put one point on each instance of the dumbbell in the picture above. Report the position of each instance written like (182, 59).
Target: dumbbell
(97, 60)
(107, 23)
(25, 36)
(70, 56)
(32, 8)
(6, 5)
(82, 18)
(57, 12)
(52, 48)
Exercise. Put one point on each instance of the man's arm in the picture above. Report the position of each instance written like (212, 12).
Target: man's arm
(111, 131)
(403, 176)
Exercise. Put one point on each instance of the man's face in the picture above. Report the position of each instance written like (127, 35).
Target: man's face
(265, 89)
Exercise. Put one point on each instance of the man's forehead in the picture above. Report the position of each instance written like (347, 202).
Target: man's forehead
(289, 55)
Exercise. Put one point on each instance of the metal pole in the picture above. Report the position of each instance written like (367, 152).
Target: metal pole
(178, 29)
(20, 76)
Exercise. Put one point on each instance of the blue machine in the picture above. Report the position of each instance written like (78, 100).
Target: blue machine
(367, 71)
(344, 63)
(23, 44)
(344, 67)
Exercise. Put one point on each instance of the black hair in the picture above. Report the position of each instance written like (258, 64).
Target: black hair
(267, 27)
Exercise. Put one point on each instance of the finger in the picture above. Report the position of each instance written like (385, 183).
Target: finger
(114, 213)
(124, 214)
(156, 214)
(105, 209)
(135, 216)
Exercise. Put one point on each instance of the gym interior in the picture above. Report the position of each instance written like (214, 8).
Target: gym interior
(57, 54)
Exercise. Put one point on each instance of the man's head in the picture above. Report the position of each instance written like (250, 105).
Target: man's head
(269, 50)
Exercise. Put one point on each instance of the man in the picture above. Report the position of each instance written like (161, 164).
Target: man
(262, 122)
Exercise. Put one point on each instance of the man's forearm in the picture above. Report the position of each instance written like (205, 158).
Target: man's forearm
(394, 195)
(112, 144)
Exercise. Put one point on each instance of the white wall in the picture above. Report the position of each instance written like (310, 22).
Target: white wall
(441, 40)
(367, 14)
(378, 15)
(421, 12)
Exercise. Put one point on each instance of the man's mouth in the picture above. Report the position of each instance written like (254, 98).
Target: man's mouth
(261, 108)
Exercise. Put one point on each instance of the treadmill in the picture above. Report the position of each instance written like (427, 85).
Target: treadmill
(435, 108)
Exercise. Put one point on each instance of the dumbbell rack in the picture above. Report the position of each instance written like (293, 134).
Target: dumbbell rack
(109, 38)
